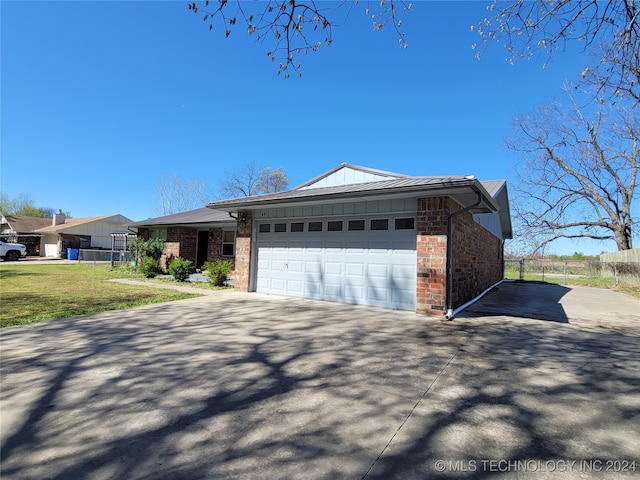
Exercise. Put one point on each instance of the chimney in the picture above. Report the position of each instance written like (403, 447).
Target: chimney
(58, 218)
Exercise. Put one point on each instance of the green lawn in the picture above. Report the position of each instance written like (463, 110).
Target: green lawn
(583, 280)
(34, 293)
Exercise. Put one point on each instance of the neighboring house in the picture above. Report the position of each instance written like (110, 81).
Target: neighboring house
(20, 229)
(363, 236)
(197, 235)
(60, 233)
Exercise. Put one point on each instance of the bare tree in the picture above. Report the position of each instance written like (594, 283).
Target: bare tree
(609, 30)
(293, 27)
(579, 171)
(252, 180)
(176, 195)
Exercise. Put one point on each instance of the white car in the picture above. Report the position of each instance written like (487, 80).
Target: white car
(12, 251)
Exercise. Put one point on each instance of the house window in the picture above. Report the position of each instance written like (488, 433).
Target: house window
(265, 228)
(380, 224)
(228, 243)
(405, 223)
(356, 225)
(297, 227)
(315, 226)
(334, 226)
(159, 233)
(280, 227)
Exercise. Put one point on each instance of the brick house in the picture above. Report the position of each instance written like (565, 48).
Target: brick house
(363, 236)
(198, 235)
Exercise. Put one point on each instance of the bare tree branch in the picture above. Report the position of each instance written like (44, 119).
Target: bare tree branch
(609, 31)
(294, 27)
(252, 180)
(175, 195)
(579, 171)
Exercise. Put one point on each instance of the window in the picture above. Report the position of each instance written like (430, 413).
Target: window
(334, 226)
(228, 243)
(280, 227)
(159, 233)
(356, 225)
(297, 227)
(315, 226)
(380, 224)
(405, 223)
(264, 228)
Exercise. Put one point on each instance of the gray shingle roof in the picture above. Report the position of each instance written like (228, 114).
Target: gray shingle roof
(199, 215)
(22, 224)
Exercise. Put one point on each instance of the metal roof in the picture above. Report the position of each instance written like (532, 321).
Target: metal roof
(202, 215)
(428, 186)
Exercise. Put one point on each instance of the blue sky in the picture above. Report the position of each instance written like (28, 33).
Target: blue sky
(99, 98)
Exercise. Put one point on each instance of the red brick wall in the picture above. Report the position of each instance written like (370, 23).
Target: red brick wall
(243, 253)
(477, 256)
(431, 246)
(214, 247)
(477, 259)
(171, 251)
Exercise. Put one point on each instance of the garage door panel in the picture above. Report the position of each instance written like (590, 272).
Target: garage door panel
(312, 266)
(378, 270)
(333, 268)
(342, 266)
(278, 265)
(295, 287)
(296, 266)
(354, 269)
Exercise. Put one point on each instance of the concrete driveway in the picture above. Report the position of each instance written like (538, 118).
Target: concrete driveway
(520, 385)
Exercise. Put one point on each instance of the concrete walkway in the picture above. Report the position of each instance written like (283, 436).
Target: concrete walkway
(252, 386)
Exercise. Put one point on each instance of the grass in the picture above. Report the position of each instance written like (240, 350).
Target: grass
(35, 293)
(586, 281)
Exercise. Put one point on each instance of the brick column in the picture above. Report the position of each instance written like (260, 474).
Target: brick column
(431, 246)
(243, 252)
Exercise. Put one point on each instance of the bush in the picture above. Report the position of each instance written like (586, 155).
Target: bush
(141, 249)
(218, 271)
(180, 268)
(149, 267)
(154, 248)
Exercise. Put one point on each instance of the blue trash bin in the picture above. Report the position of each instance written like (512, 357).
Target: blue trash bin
(72, 253)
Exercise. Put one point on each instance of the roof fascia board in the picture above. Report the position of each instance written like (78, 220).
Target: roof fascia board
(462, 187)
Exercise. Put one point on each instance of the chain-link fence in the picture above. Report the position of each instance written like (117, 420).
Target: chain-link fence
(573, 272)
(115, 257)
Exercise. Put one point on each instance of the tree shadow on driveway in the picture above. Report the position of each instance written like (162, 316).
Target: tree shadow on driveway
(531, 300)
(247, 386)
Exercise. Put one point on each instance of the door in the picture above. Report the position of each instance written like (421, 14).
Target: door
(358, 261)
(203, 248)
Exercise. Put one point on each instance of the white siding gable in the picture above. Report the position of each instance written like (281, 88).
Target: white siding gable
(347, 175)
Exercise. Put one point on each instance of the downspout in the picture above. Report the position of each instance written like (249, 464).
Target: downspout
(449, 315)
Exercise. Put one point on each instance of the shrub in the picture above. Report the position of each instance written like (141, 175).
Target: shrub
(154, 248)
(141, 249)
(218, 271)
(149, 267)
(180, 268)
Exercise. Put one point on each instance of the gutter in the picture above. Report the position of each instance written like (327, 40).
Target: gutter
(450, 312)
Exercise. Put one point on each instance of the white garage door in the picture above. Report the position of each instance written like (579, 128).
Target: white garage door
(369, 262)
